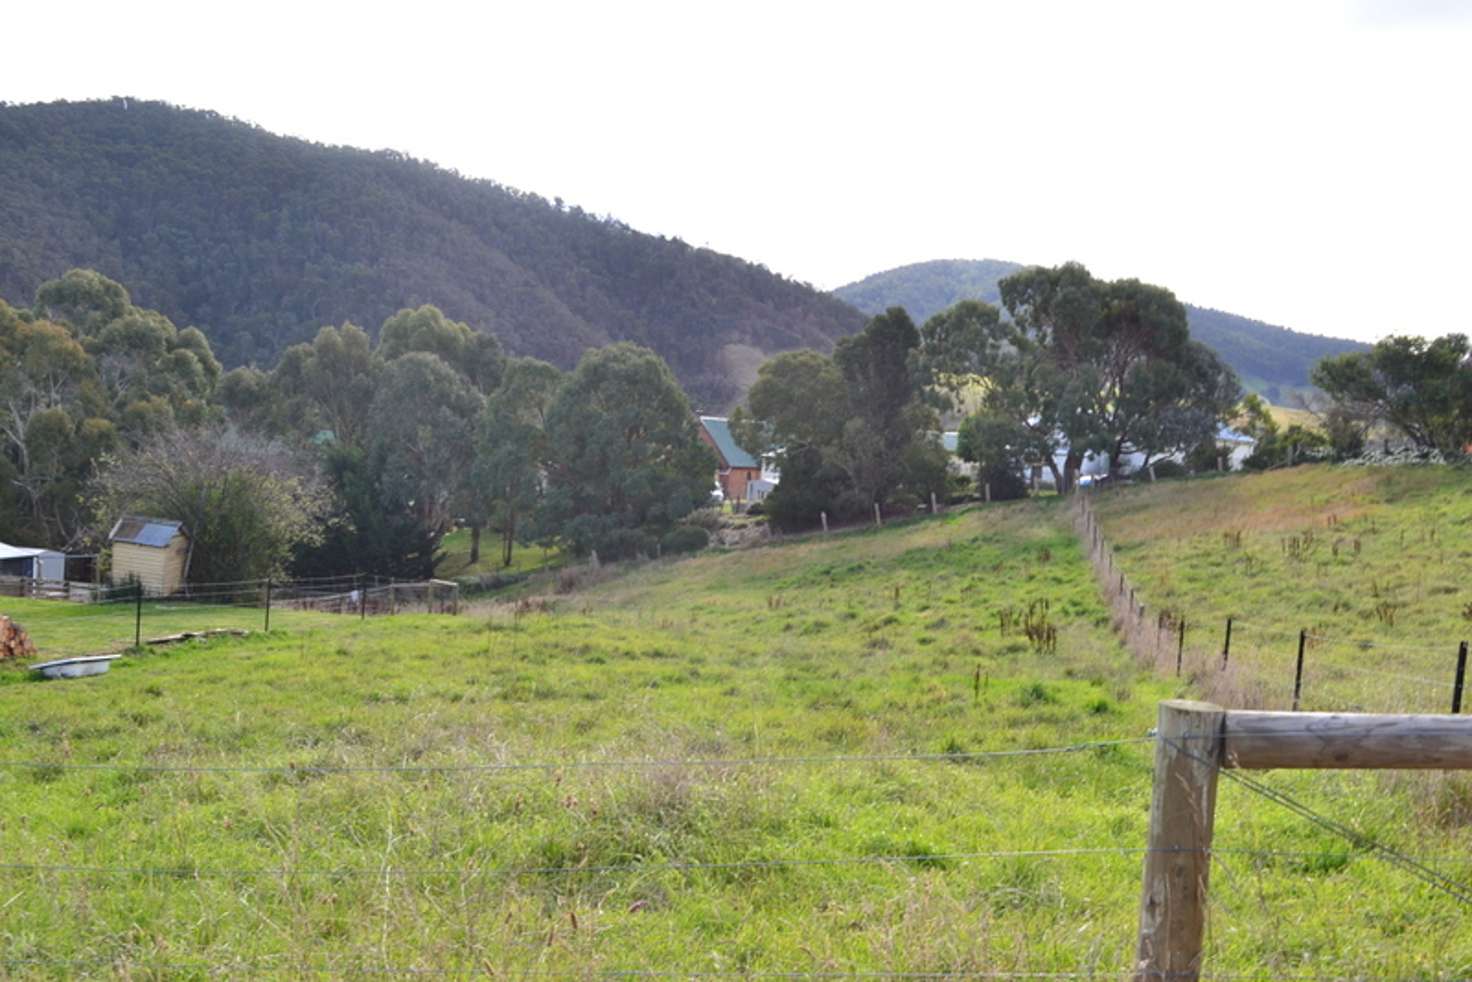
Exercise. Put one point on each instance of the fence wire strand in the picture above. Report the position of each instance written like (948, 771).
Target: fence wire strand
(976, 756)
(516, 872)
(1409, 864)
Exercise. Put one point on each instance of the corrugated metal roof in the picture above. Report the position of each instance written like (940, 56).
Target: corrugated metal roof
(720, 432)
(155, 533)
(19, 552)
(1228, 435)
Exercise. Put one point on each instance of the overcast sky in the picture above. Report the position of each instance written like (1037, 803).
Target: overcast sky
(1301, 162)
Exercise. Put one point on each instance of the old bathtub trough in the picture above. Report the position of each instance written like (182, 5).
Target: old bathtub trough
(71, 668)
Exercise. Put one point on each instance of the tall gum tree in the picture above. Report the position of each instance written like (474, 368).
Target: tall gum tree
(1083, 365)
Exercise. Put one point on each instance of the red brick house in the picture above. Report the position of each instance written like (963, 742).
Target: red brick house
(737, 467)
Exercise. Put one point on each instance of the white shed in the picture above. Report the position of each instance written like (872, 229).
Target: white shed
(32, 564)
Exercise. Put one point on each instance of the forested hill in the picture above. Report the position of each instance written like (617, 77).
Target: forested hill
(259, 240)
(1272, 360)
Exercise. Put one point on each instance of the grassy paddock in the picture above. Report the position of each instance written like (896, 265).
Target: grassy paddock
(875, 643)
(455, 556)
(62, 629)
(1375, 564)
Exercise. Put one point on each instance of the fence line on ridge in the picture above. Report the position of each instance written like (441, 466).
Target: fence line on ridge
(1241, 662)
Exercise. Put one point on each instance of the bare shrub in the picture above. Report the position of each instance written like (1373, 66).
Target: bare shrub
(247, 501)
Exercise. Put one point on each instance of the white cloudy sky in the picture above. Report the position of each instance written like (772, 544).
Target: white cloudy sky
(1302, 162)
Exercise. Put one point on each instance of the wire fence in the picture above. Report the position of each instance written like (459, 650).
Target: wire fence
(474, 870)
(461, 878)
(1246, 664)
(1252, 659)
(128, 617)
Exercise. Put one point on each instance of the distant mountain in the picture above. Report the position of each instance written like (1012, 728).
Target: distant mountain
(1271, 360)
(259, 240)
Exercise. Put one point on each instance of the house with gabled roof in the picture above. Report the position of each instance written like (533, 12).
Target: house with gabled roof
(737, 469)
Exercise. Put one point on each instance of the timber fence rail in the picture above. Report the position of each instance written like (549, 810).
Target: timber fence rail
(1243, 662)
(1197, 742)
(41, 589)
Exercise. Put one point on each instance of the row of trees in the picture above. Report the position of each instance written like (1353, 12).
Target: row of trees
(850, 431)
(83, 374)
(264, 238)
(349, 455)
(1406, 390)
(1416, 387)
(356, 455)
(1077, 365)
(434, 424)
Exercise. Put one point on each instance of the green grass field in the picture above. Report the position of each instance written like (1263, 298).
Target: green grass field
(242, 826)
(1375, 564)
(62, 629)
(455, 558)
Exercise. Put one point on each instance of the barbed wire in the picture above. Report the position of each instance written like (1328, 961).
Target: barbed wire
(642, 763)
(1407, 863)
(1420, 647)
(556, 765)
(613, 973)
(512, 872)
(515, 872)
(287, 961)
(1355, 669)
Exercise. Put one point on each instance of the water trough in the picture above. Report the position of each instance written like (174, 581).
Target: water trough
(71, 668)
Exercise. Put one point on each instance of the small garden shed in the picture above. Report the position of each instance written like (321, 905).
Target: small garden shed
(34, 564)
(153, 551)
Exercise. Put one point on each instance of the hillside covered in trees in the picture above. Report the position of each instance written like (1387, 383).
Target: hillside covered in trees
(1272, 360)
(259, 240)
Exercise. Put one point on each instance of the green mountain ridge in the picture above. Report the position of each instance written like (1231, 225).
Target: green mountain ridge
(259, 240)
(1271, 360)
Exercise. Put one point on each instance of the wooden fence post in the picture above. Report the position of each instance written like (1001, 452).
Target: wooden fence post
(824, 516)
(878, 520)
(1298, 670)
(987, 488)
(1194, 740)
(1178, 862)
(1461, 677)
(1181, 648)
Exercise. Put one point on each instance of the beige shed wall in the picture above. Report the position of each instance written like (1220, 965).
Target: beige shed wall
(161, 571)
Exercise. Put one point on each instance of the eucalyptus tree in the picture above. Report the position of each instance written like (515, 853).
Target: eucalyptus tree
(1421, 387)
(624, 459)
(421, 432)
(1079, 365)
(512, 451)
(851, 431)
(474, 354)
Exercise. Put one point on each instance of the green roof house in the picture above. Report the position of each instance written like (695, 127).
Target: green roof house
(737, 467)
